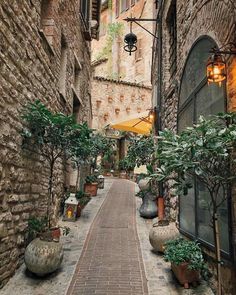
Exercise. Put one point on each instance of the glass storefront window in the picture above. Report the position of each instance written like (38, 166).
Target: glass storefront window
(197, 98)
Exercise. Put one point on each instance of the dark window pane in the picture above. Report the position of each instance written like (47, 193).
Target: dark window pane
(205, 230)
(187, 212)
(195, 69)
(186, 117)
(210, 100)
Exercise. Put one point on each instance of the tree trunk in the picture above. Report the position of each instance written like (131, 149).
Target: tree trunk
(50, 183)
(77, 178)
(217, 251)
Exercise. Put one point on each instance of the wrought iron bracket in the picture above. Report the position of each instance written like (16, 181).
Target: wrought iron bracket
(137, 20)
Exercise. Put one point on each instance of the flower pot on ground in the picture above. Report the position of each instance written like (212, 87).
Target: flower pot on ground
(83, 199)
(161, 232)
(91, 185)
(186, 259)
(43, 257)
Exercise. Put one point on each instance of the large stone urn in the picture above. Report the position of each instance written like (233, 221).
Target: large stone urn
(162, 232)
(43, 257)
(148, 208)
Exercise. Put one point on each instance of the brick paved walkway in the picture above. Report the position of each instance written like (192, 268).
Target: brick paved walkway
(111, 261)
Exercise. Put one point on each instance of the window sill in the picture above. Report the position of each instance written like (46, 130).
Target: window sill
(138, 59)
(45, 39)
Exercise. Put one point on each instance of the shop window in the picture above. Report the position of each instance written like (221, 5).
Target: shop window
(197, 98)
(171, 23)
(63, 65)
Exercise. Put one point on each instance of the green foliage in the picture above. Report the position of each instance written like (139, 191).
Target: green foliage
(91, 179)
(126, 164)
(202, 151)
(83, 198)
(51, 133)
(36, 226)
(141, 150)
(181, 250)
(114, 30)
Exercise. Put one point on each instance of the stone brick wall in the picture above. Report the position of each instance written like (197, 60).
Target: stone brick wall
(120, 64)
(117, 100)
(216, 19)
(31, 68)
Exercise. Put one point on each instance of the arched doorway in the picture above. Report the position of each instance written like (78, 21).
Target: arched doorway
(197, 98)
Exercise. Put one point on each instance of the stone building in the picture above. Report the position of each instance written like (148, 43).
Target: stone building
(44, 54)
(121, 85)
(187, 31)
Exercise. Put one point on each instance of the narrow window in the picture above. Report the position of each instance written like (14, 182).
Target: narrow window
(172, 39)
(62, 80)
(47, 20)
(132, 2)
(124, 5)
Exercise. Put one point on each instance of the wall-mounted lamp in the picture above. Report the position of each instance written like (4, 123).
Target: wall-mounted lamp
(216, 65)
(131, 39)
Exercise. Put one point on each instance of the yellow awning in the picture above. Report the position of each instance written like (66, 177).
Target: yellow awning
(140, 123)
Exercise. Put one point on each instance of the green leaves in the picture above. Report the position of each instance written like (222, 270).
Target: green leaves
(201, 151)
(181, 250)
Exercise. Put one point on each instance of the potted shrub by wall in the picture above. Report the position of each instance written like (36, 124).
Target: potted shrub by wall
(83, 199)
(91, 185)
(204, 153)
(186, 259)
(50, 135)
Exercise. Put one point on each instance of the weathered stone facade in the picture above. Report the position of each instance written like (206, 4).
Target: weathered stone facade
(45, 55)
(117, 100)
(194, 20)
(121, 83)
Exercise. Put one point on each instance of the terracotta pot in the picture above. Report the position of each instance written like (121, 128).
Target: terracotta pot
(43, 257)
(160, 233)
(91, 188)
(56, 233)
(184, 274)
(79, 210)
(123, 175)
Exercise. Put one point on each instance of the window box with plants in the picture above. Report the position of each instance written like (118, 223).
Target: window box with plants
(186, 260)
(91, 185)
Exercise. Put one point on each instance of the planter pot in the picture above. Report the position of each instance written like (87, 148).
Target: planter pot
(56, 233)
(123, 175)
(162, 232)
(184, 274)
(144, 184)
(43, 257)
(148, 208)
(91, 188)
(79, 210)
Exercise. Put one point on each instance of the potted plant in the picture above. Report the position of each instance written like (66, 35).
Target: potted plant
(186, 259)
(83, 199)
(204, 153)
(50, 135)
(91, 185)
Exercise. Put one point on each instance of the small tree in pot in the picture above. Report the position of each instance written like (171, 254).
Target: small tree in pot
(52, 135)
(202, 152)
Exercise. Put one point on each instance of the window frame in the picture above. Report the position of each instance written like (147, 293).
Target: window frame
(192, 98)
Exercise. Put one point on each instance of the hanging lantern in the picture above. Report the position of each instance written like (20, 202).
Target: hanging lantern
(216, 69)
(130, 40)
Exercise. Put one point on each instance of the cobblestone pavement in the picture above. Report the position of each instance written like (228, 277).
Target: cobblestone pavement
(24, 283)
(111, 261)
